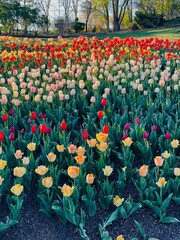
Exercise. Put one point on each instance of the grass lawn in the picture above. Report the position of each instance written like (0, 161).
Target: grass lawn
(169, 33)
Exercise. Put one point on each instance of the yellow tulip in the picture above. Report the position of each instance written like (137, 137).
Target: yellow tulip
(47, 182)
(101, 137)
(161, 182)
(90, 178)
(175, 143)
(3, 163)
(117, 201)
(19, 171)
(17, 189)
(120, 237)
(80, 150)
(107, 171)
(177, 172)
(41, 170)
(31, 146)
(73, 171)
(66, 190)
(143, 171)
(51, 157)
(102, 146)
(80, 159)
(1, 180)
(91, 142)
(127, 141)
(60, 148)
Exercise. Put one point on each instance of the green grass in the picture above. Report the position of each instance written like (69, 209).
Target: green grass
(169, 33)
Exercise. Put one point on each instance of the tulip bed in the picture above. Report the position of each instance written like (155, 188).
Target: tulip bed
(83, 120)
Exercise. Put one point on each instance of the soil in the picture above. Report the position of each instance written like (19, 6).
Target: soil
(35, 226)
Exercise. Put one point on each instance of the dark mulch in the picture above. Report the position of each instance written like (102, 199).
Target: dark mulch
(35, 226)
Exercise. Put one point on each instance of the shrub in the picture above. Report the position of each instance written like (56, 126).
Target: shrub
(146, 20)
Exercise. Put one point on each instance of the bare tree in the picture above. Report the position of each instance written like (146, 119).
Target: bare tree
(118, 12)
(45, 6)
(67, 5)
(75, 7)
(86, 7)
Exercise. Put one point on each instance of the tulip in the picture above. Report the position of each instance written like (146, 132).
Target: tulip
(48, 130)
(25, 160)
(66, 190)
(101, 137)
(145, 135)
(43, 128)
(167, 136)
(63, 126)
(85, 134)
(17, 189)
(100, 114)
(11, 137)
(158, 161)
(166, 154)
(33, 115)
(60, 148)
(104, 102)
(175, 143)
(127, 126)
(72, 148)
(73, 171)
(90, 178)
(12, 129)
(137, 121)
(80, 150)
(177, 172)
(102, 146)
(41, 170)
(107, 171)
(51, 157)
(143, 171)
(106, 129)
(4, 117)
(31, 146)
(3, 164)
(19, 171)
(47, 182)
(155, 128)
(80, 159)
(1, 180)
(22, 132)
(1, 136)
(33, 129)
(120, 237)
(92, 142)
(12, 112)
(117, 201)
(124, 136)
(18, 154)
(127, 142)
(161, 182)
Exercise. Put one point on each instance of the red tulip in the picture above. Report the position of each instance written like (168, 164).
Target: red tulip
(63, 125)
(12, 112)
(12, 129)
(145, 135)
(43, 128)
(155, 128)
(105, 129)
(4, 117)
(104, 102)
(1, 136)
(48, 130)
(33, 115)
(137, 121)
(11, 137)
(127, 126)
(124, 136)
(100, 114)
(33, 129)
(167, 136)
(85, 134)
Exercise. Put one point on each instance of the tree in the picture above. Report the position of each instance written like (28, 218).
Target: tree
(86, 7)
(118, 12)
(45, 6)
(75, 8)
(102, 7)
(67, 11)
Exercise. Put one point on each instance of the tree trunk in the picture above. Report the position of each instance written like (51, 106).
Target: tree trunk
(116, 25)
(107, 20)
(86, 25)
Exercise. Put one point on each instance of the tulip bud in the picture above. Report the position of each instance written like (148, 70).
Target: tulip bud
(22, 132)
(100, 114)
(85, 134)
(167, 136)
(145, 135)
(48, 130)
(33, 129)
(137, 121)
(1, 136)
(11, 137)
(12, 112)
(104, 102)
(155, 128)
(106, 129)
(33, 115)
(127, 126)
(124, 136)
(63, 126)
(12, 129)
(43, 128)
(4, 117)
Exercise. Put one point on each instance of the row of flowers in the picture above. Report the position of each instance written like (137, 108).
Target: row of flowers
(81, 120)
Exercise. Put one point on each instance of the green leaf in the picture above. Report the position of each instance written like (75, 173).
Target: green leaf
(111, 218)
(122, 212)
(166, 202)
(135, 208)
(141, 229)
(169, 220)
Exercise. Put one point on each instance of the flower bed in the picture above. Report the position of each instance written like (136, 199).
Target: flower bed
(82, 120)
